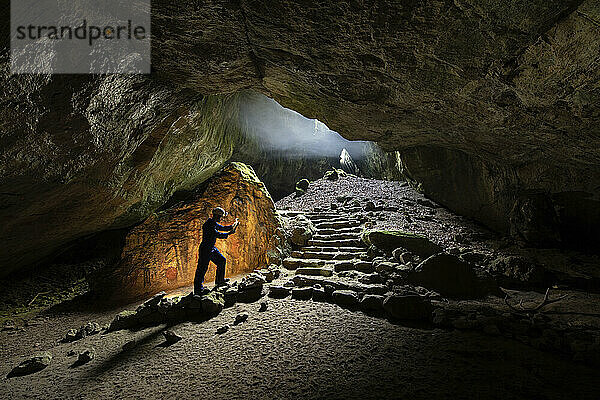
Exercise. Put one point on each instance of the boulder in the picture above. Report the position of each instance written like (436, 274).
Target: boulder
(231, 296)
(213, 303)
(33, 364)
(345, 298)
(250, 288)
(175, 234)
(124, 320)
(298, 230)
(388, 241)
(372, 302)
(319, 294)
(407, 307)
(71, 336)
(334, 174)
(449, 276)
(517, 271)
(302, 293)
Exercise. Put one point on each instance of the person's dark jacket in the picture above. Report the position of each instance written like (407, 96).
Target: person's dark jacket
(212, 230)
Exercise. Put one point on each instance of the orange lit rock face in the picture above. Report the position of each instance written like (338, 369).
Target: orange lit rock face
(162, 252)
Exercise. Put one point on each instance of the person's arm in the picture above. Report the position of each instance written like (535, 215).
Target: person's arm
(227, 228)
(223, 228)
(221, 235)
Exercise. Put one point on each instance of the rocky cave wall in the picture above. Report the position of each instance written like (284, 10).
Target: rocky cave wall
(507, 90)
(161, 253)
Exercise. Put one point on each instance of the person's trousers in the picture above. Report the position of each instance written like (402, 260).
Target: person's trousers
(206, 256)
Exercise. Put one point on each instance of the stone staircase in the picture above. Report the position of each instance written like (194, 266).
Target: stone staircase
(336, 246)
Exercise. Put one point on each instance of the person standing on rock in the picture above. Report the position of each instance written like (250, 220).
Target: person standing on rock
(211, 231)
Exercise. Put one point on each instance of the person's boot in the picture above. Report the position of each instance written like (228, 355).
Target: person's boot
(201, 290)
(224, 282)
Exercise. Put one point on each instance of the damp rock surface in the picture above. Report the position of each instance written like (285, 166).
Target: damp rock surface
(162, 252)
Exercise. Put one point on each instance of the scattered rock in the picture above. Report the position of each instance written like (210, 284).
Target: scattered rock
(302, 293)
(299, 230)
(221, 330)
(71, 336)
(370, 206)
(345, 298)
(405, 257)
(240, 318)
(279, 292)
(410, 307)
(334, 174)
(263, 306)
(370, 278)
(85, 356)
(302, 186)
(449, 276)
(171, 337)
(390, 240)
(34, 364)
(89, 329)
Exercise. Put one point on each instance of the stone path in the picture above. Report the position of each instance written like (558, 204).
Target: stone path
(336, 247)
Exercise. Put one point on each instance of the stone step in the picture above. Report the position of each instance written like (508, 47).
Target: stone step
(354, 265)
(316, 255)
(295, 263)
(336, 243)
(332, 249)
(315, 271)
(339, 284)
(336, 236)
(290, 212)
(338, 224)
(329, 231)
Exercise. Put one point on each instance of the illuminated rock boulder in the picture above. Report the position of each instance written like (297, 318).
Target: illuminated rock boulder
(162, 252)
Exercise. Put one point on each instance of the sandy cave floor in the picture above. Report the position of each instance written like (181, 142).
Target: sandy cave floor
(304, 349)
(294, 350)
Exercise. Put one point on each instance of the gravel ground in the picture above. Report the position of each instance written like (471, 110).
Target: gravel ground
(294, 350)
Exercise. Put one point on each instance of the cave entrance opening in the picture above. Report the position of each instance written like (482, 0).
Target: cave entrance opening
(283, 147)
